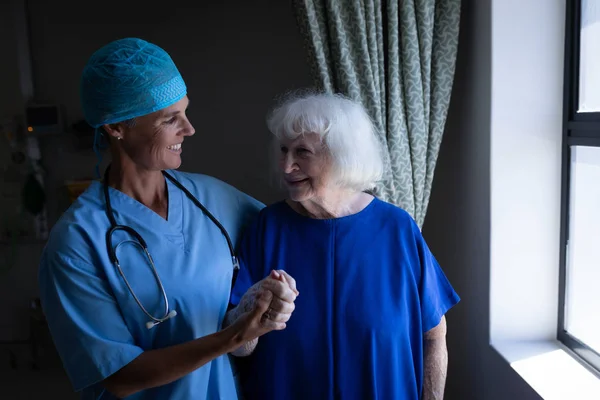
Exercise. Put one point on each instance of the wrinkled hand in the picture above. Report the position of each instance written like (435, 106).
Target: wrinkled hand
(252, 324)
(272, 300)
(283, 287)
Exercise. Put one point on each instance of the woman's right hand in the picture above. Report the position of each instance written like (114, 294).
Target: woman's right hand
(250, 316)
(252, 324)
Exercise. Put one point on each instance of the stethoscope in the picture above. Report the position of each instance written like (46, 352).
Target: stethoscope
(112, 252)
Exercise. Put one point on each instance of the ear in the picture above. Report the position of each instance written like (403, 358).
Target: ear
(114, 130)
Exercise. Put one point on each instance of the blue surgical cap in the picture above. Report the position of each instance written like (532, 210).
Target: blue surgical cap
(128, 78)
(125, 79)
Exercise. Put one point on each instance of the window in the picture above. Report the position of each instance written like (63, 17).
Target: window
(589, 59)
(579, 312)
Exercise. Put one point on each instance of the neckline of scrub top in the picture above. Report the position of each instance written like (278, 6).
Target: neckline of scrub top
(172, 227)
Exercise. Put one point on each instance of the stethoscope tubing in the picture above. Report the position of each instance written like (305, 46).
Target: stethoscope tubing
(112, 251)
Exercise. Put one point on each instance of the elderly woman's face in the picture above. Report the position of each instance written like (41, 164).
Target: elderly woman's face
(155, 141)
(305, 165)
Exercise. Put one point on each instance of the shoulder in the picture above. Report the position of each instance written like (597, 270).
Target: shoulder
(87, 211)
(393, 211)
(398, 224)
(234, 209)
(395, 216)
(277, 215)
(378, 212)
(200, 180)
(279, 209)
(71, 237)
(210, 188)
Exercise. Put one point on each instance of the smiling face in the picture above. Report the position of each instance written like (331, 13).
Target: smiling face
(305, 166)
(154, 141)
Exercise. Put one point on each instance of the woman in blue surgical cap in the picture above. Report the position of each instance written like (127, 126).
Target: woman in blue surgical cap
(149, 325)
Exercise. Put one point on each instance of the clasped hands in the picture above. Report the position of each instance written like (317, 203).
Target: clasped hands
(283, 295)
(265, 307)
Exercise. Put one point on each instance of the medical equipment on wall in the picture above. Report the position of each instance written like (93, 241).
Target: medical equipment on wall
(11, 183)
(12, 176)
(23, 182)
(139, 241)
(22, 194)
(44, 119)
(33, 194)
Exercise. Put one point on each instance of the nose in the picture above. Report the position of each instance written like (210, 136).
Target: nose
(188, 129)
(289, 164)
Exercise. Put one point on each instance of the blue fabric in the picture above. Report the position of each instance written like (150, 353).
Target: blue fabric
(128, 78)
(369, 289)
(96, 324)
(124, 79)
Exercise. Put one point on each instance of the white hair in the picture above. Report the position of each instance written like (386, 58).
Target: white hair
(344, 127)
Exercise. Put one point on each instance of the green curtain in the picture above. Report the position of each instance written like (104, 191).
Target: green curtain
(398, 59)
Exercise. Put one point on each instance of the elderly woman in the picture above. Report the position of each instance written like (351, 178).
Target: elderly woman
(370, 323)
(136, 276)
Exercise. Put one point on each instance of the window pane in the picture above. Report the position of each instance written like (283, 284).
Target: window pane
(589, 57)
(583, 262)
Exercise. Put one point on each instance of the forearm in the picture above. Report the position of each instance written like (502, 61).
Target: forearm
(278, 283)
(162, 366)
(435, 368)
(245, 349)
(245, 305)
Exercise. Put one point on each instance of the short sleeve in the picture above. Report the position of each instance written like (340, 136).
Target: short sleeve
(250, 262)
(84, 319)
(436, 293)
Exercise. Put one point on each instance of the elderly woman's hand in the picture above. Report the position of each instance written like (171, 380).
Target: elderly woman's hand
(284, 293)
(284, 290)
(283, 287)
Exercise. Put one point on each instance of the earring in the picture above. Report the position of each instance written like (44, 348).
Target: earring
(119, 138)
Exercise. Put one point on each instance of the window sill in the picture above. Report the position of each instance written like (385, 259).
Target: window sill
(551, 369)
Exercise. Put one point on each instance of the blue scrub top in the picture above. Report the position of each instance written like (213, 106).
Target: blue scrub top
(369, 289)
(96, 324)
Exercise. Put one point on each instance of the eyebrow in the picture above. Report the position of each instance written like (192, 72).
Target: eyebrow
(173, 113)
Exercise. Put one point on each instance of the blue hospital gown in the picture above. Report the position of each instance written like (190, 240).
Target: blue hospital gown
(96, 324)
(369, 289)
